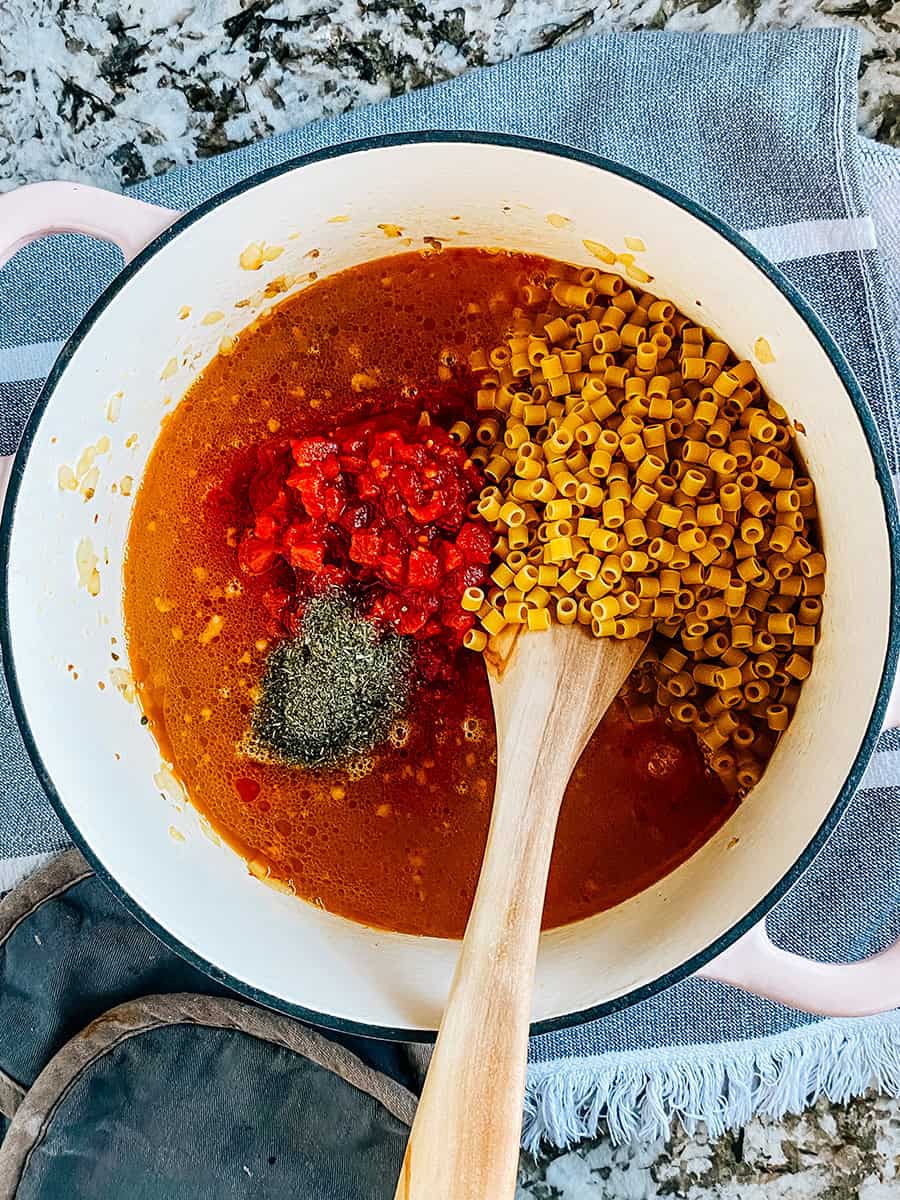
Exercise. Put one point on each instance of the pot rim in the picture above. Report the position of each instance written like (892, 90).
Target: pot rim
(822, 336)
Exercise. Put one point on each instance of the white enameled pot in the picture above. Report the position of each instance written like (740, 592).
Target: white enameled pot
(98, 763)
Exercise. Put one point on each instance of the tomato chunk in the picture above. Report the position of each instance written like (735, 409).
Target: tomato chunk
(380, 506)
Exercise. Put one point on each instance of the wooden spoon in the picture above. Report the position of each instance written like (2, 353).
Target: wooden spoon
(464, 1144)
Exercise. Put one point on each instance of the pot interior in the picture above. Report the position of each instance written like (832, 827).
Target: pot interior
(137, 358)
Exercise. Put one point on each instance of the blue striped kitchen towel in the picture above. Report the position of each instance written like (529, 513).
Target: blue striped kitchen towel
(761, 129)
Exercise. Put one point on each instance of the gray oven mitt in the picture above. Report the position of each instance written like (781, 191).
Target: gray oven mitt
(110, 1090)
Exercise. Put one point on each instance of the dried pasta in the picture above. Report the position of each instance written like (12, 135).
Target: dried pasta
(640, 480)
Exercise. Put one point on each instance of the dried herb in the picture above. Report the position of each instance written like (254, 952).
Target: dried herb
(331, 693)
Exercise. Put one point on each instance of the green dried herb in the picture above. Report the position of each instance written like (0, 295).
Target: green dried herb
(331, 692)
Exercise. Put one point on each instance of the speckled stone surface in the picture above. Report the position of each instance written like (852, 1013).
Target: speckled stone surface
(110, 91)
(830, 1152)
(114, 90)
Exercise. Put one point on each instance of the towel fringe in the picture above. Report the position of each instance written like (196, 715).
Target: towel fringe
(635, 1096)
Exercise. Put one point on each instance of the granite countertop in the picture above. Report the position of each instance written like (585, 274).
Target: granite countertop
(830, 1152)
(110, 91)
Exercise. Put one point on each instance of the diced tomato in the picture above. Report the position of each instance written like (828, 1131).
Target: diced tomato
(382, 505)
(310, 485)
(352, 464)
(365, 547)
(451, 557)
(413, 619)
(366, 486)
(409, 485)
(425, 513)
(256, 555)
(475, 541)
(393, 568)
(309, 450)
(356, 516)
(331, 576)
(304, 551)
(308, 556)
(424, 570)
(266, 526)
(335, 502)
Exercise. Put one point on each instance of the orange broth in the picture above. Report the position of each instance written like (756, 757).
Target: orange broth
(395, 839)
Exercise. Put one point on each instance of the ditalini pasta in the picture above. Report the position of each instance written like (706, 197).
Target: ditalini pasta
(639, 479)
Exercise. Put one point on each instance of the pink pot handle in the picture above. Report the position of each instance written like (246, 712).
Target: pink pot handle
(858, 989)
(6, 462)
(892, 716)
(36, 209)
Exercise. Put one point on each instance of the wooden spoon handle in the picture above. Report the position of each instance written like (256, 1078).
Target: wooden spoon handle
(465, 1139)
